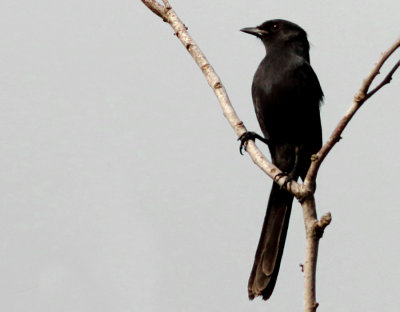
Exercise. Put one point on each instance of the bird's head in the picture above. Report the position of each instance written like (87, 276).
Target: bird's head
(278, 31)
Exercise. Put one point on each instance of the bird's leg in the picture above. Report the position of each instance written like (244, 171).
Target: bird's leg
(289, 176)
(249, 135)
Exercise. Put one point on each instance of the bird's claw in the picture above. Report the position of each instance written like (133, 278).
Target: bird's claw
(288, 178)
(247, 136)
(243, 139)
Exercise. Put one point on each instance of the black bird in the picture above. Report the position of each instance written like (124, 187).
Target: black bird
(286, 96)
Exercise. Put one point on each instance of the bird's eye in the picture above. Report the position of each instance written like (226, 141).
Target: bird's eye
(275, 27)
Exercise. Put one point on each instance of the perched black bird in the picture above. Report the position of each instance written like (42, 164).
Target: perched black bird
(286, 96)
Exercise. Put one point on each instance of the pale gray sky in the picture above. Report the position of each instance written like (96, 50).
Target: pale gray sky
(122, 188)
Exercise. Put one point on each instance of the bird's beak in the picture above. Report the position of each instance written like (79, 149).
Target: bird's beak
(254, 31)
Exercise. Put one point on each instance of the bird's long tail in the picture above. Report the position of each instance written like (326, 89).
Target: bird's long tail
(272, 241)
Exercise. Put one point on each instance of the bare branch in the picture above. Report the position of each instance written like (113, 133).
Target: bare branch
(385, 81)
(311, 255)
(215, 83)
(304, 193)
(359, 99)
(314, 231)
(315, 228)
(375, 71)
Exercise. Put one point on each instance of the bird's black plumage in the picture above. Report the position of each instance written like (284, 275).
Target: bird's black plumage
(286, 96)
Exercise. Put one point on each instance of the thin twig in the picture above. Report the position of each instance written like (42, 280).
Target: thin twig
(385, 81)
(375, 70)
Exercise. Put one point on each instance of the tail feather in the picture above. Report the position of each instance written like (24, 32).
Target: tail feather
(272, 241)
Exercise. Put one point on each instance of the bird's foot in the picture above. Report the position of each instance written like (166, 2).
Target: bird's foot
(249, 135)
(287, 176)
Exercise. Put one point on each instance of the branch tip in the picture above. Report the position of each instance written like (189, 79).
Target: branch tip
(385, 80)
(322, 224)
